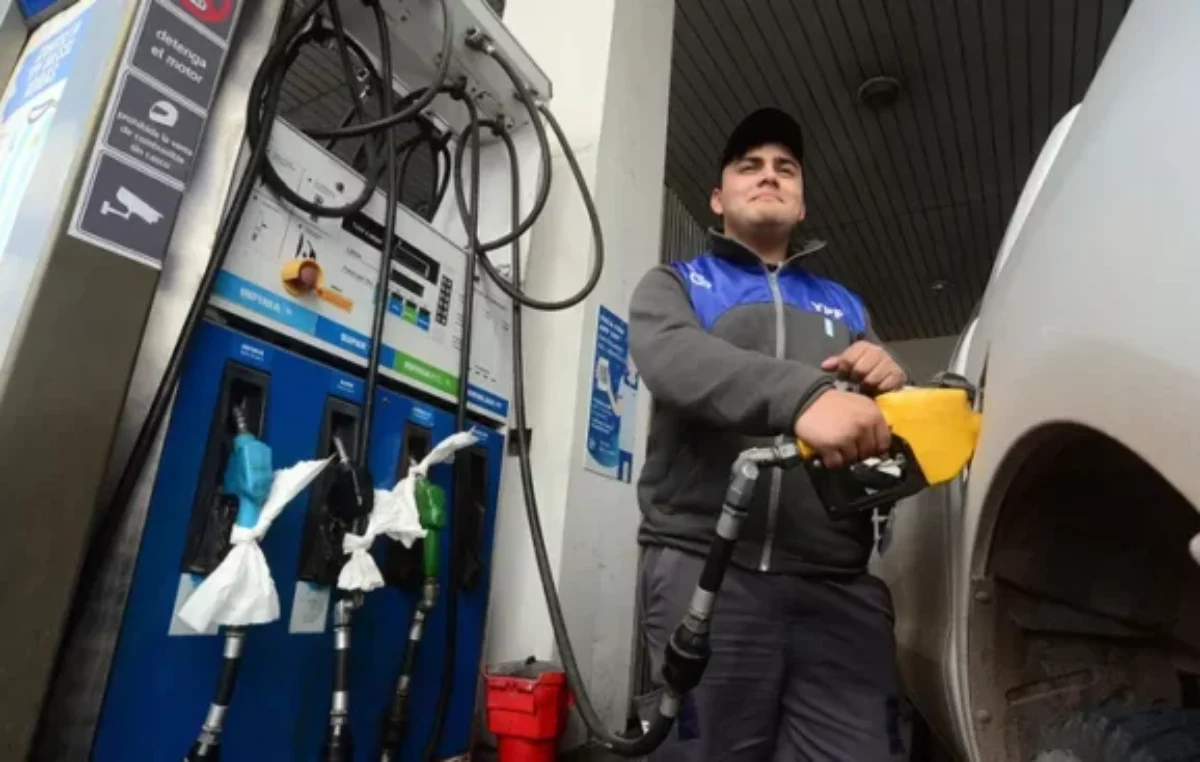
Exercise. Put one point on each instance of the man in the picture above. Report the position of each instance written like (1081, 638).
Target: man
(740, 346)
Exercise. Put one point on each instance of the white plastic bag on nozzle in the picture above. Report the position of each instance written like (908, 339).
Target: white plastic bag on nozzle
(241, 591)
(395, 514)
(360, 572)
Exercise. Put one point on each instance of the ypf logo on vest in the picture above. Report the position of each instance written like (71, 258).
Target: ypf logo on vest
(698, 279)
(827, 311)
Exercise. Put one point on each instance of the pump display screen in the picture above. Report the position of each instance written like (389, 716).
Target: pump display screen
(403, 254)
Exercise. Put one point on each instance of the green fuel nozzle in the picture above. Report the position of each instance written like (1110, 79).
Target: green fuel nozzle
(431, 509)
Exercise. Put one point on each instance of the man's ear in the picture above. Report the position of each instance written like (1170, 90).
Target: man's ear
(715, 203)
(803, 205)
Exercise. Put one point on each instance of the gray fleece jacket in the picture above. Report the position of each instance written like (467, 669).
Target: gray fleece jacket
(731, 351)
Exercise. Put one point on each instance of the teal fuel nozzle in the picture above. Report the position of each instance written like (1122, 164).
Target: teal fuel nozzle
(249, 472)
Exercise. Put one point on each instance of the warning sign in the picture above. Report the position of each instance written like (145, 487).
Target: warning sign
(152, 127)
(216, 15)
(171, 51)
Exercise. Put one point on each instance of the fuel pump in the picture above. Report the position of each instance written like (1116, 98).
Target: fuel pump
(247, 337)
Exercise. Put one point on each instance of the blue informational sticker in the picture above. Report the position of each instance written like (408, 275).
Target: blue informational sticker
(347, 387)
(612, 414)
(29, 106)
(45, 64)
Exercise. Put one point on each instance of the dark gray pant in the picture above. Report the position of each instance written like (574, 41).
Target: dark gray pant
(802, 668)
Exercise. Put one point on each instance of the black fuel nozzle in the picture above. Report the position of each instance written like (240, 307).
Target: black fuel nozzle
(861, 487)
(351, 493)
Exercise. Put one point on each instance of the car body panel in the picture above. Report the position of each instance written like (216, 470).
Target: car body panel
(1085, 320)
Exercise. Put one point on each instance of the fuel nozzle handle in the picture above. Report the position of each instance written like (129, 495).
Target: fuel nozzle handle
(936, 424)
(351, 494)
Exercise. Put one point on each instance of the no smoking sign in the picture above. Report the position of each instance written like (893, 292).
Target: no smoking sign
(217, 15)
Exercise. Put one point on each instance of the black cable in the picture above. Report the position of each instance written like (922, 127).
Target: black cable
(447, 164)
(207, 745)
(415, 108)
(344, 43)
(435, 177)
(660, 728)
(382, 290)
(482, 43)
(513, 289)
(409, 151)
(345, 120)
(372, 176)
(461, 472)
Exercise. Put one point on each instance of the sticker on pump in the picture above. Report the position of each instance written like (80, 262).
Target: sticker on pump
(209, 11)
(214, 15)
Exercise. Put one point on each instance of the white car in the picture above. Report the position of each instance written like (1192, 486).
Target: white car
(1048, 606)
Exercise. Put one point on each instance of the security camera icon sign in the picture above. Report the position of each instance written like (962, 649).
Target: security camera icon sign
(130, 205)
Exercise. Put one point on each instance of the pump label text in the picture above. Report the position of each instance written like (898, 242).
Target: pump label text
(151, 132)
(171, 51)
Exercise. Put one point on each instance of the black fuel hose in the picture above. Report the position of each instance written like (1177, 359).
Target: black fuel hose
(688, 650)
(461, 473)
(661, 728)
(412, 109)
(338, 745)
(469, 214)
(536, 113)
(484, 45)
(393, 725)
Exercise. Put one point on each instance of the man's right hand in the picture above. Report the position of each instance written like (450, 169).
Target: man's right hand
(843, 428)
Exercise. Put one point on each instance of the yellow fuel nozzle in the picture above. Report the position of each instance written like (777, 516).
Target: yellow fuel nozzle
(937, 427)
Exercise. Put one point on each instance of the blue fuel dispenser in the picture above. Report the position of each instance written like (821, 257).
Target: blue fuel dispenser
(163, 673)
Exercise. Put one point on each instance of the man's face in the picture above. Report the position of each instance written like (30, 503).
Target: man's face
(762, 191)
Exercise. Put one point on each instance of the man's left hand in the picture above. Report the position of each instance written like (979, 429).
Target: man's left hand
(869, 365)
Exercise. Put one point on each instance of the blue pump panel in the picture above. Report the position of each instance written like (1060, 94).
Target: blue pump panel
(31, 8)
(164, 675)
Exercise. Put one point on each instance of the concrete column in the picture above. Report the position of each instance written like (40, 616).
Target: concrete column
(12, 38)
(609, 61)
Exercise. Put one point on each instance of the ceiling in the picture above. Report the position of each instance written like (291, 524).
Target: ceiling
(912, 199)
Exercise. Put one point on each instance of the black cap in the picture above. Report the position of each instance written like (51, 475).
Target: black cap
(766, 125)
